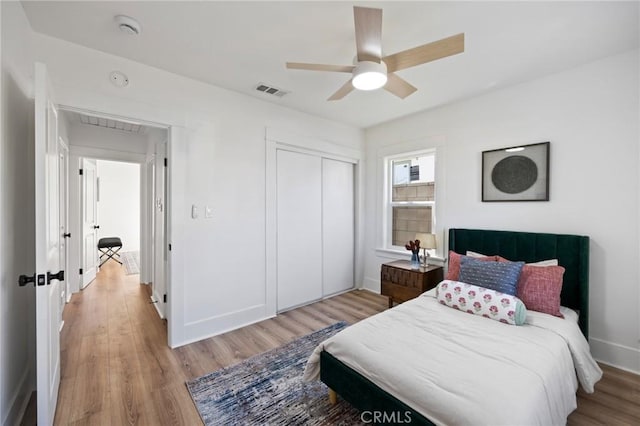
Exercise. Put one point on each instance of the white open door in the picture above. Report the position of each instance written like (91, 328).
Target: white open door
(159, 234)
(63, 191)
(47, 245)
(90, 226)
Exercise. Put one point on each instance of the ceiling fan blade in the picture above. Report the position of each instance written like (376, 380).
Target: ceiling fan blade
(425, 53)
(342, 92)
(398, 86)
(319, 67)
(368, 23)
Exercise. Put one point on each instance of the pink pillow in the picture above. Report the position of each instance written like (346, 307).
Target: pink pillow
(539, 288)
(454, 264)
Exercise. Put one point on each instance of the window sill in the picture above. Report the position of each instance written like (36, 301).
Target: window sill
(403, 254)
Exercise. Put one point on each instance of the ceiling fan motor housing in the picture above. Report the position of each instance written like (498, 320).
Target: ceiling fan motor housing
(368, 75)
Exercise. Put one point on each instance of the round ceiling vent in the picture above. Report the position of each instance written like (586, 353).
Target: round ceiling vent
(119, 79)
(128, 25)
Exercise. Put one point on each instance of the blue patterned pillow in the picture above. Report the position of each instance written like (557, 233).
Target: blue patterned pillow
(498, 276)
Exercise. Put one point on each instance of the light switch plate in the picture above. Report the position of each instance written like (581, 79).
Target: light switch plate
(194, 211)
(208, 212)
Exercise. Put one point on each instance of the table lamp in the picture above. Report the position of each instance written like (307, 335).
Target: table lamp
(427, 242)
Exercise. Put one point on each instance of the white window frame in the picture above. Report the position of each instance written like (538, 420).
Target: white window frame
(388, 197)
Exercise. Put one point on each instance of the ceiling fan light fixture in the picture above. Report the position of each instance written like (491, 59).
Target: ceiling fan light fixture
(369, 75)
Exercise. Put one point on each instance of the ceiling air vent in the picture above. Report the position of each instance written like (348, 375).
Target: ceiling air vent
(261, 87)
(109, 123)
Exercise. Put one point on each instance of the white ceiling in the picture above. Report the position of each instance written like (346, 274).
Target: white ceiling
(237, 45)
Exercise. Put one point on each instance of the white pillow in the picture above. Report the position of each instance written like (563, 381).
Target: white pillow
(474, 254)
(550, 262)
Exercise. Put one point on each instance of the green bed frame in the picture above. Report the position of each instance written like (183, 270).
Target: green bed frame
(572, 252)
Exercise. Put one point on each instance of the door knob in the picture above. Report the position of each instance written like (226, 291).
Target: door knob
(59, 276)
(96, 226)
(67, 235)
(26, 279)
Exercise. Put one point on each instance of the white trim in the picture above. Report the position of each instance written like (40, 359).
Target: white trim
(436, 144)
(225, 330)
(315, 152)
(217, 317)
(367, 285)
(131, 157)
(616, 355)
(402, 254)
(117, 117)
(338, 293)
(107, 154)
(201, 329)
(19, 401)
(271, 227)
(176, 203)
(389, 204)
(285, 138)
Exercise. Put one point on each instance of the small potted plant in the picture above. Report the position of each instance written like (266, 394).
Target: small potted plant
(414, 246)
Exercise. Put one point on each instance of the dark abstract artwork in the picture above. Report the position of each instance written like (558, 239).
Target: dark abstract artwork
(519, 173)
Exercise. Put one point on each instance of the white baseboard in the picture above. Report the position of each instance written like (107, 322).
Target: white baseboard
(371, 284)
(18, 402)
(616, 355)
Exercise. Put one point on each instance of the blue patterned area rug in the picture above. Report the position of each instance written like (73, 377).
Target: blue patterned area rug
(267, 389)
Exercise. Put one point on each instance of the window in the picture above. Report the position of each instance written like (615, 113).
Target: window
(410, 197)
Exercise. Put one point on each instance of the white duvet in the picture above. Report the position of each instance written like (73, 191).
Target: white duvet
(461, 369)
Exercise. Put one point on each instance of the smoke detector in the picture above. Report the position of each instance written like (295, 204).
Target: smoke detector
(128, 25)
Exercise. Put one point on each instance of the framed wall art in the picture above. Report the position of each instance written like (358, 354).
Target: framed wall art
(519, 173)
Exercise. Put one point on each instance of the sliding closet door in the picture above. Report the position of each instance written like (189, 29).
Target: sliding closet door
(299, 237)
(337, 226)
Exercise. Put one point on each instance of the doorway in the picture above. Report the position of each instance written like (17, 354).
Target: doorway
(117, 188)
(118, 208)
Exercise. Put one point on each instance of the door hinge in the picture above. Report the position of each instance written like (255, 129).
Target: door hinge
(164, 298)
(165, 162)
(80, 271)
(80, 172)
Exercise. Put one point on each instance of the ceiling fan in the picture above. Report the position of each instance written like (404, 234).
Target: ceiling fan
(372, 70)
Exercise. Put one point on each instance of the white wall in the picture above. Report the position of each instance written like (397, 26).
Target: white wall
(590, 116)
(119, 203)
(17, 255)
(219, 161)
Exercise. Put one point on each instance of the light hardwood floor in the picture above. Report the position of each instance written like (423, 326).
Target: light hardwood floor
(118, 370)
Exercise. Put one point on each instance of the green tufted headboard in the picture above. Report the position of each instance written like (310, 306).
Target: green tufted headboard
(572, 252)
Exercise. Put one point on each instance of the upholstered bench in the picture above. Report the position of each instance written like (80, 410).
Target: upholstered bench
(109, 247)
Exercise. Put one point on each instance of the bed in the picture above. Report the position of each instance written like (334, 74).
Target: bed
(417, 368)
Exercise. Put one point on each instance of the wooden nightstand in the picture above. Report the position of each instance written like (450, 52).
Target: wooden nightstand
(401, 283)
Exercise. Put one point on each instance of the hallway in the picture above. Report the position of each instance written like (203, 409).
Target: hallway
(116, 366)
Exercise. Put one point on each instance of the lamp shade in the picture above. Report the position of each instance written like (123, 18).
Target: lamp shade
(427, 241)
